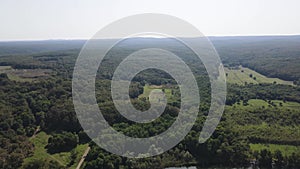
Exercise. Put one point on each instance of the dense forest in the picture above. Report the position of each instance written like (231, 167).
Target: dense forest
(259, 119)
(274, 56)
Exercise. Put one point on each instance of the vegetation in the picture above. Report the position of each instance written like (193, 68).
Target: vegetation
(260, 125)
(60, 159)
(241, 75)
(286, 150)
(273, 56)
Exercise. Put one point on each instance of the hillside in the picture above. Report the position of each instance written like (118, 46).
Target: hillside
(242, 75)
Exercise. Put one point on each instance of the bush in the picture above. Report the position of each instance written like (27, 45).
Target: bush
(62, 142)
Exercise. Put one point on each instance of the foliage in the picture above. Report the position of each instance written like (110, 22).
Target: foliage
(256, 114)
(65, 141)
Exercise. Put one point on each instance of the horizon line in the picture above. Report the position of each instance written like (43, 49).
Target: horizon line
(209, 36)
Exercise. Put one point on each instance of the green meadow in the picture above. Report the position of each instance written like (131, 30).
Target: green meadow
(63, 158)
(241, 75)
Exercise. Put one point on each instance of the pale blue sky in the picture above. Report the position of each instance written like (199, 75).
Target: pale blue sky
(80, 19)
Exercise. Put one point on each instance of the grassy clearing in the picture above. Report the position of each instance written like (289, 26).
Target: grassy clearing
(24, 75)
(16, 78)
(258, 103)
(80, 149)
(264, 131)
(266, 127)
(241, 75)
(39, 141)
(168, 92)
(286, 150)
(5, 67)
(63, 158)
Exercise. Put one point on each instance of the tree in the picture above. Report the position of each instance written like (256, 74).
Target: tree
(62, 142)
(265, 160)
(42, 164)
(279, 160)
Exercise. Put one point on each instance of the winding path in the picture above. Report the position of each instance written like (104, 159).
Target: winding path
(83, 157)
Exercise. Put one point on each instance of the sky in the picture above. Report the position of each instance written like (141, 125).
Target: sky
(81, 19)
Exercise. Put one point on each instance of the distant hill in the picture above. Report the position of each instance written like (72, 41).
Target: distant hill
(272, 56)
(31, 47)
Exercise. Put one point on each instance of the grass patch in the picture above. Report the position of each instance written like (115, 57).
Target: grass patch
(80, 149)
(272, 121)
(266, 133)
(286, 150)
(258, 103)
(63, 158)
(241, 75)
(5, 67)
(16, 78)
(169, 92)
(25, 75)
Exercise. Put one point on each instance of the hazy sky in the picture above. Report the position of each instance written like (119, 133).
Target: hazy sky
(81, 19)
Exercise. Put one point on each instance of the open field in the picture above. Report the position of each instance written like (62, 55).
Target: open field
(286, 150)
(2, 68)
(267, 122)
(270, 133)
(63, 158)
(148, 89)
(166, 89)
(241, 75)
(258, 103)
(23, 75)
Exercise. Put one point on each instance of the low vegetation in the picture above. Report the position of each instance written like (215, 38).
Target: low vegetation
(25, 75)
(241, 75)
(61, 159)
